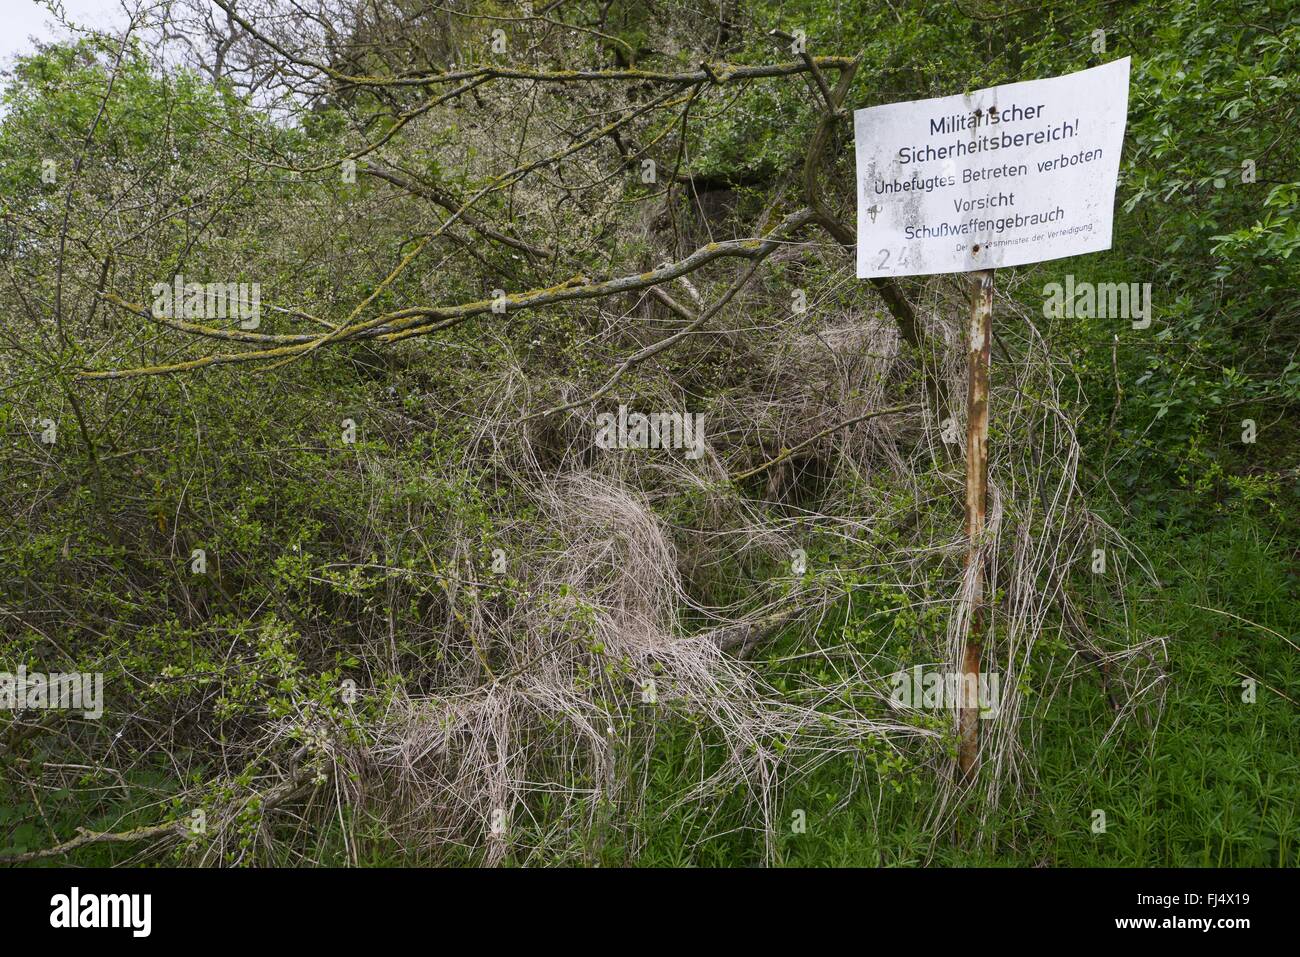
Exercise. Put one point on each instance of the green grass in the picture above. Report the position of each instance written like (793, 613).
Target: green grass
(1213, 784)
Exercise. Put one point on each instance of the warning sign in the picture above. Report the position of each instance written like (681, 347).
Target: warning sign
(1013, 174)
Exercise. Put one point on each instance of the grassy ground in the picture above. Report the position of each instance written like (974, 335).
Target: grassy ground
(1214, 784)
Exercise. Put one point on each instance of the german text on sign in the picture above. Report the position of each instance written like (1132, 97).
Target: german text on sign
(1018, 173)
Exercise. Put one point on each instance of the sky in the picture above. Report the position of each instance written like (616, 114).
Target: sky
(20, 20)
(24, 21)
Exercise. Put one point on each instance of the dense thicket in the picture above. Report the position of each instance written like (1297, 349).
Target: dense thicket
(434, 620)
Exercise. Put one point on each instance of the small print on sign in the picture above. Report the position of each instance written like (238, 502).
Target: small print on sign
(1014, 174)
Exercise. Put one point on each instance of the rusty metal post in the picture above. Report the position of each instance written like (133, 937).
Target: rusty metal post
(977, 474)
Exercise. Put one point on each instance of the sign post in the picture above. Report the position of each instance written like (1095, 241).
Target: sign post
(979, 341)
(1013, 174)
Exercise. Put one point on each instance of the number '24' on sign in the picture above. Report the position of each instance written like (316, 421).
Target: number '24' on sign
(898, 264)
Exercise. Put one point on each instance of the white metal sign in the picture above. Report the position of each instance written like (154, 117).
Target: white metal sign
(1013, 174)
